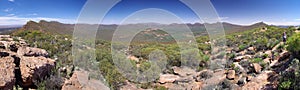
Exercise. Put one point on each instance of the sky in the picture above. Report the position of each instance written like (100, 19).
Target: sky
(243, 12)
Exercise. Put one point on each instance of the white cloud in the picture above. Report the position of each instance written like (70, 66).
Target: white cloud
(297, 19)
(11, 0)
(21, 21)
(9, 15)
(8, 9)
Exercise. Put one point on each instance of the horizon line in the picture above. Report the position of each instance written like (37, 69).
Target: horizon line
(148, 23)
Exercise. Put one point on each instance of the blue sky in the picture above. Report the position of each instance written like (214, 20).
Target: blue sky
(245, 12)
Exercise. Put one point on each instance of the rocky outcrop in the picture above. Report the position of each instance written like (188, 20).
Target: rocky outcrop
(29, 51)
(72, 83)
(7, 72)
(21, 64)
(34, 68)
(258, 82)
(80, 81)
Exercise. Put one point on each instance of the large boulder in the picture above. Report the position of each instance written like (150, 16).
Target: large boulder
(284, 55)
(29, 51)
(34, 68)
(168, 78)
(7, 75)
(80, 81)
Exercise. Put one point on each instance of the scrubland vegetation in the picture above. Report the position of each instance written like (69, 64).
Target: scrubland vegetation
(59, 47)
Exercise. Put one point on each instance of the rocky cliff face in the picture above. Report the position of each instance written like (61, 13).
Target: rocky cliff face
(21, 65)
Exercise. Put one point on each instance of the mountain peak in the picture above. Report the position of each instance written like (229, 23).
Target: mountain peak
(261, 24)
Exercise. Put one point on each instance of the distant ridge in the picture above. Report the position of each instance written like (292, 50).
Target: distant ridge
(7, 29)
(106, 31)
(53, 27)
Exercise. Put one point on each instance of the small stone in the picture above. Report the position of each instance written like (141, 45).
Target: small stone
(231, 74)
(257, 67)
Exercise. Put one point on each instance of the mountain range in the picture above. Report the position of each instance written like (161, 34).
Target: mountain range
(106, 31)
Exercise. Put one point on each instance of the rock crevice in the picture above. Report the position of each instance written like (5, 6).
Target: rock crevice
(21, 65)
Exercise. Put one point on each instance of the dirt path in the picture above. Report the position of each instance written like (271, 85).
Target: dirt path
(274, 48)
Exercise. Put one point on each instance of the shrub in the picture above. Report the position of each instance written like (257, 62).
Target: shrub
(16, 39)
(231, 55)
(265, 55)
(160, 88)
(146, 85)
(285, 85)
(293, 43)
(256, 60)
(53, 82)
(289, 79)
(261, 43)
(242, 47)
(4, 39)
(145, 66)
(272, 43)
(205, 58)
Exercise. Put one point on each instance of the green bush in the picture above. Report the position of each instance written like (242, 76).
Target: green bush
(285, 85)
(16, 39)
(242, 47)
(205, 58)
(261, 43)
(294, 45)
(256, 60)
(290, 80)
(160, 88)
(146, 85)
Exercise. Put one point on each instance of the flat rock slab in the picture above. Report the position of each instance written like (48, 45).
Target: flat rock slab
(183, 71)
(168, 78)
